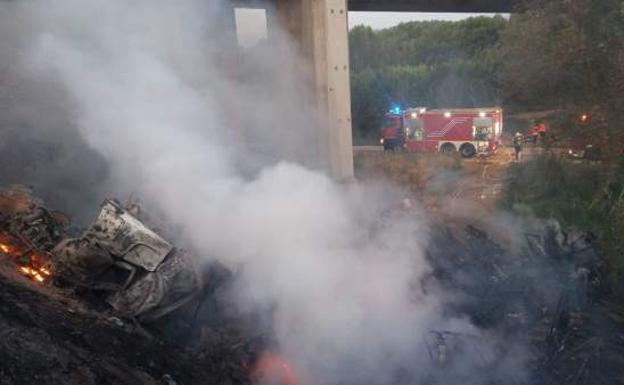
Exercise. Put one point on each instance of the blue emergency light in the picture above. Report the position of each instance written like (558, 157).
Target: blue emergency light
(396, 110)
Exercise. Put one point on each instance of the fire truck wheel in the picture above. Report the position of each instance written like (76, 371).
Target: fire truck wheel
(447, 148)
(468, 150)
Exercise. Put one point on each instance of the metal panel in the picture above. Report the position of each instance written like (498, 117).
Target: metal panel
(127, 238)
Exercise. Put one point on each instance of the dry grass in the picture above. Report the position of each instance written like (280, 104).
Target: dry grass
(409, 170)
(450, 189)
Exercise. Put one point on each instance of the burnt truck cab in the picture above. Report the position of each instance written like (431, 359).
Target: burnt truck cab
(138, 273)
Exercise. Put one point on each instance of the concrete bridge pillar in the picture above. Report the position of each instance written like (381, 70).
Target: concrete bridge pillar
(320, 28)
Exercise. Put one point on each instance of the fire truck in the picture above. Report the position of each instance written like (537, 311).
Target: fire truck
(469, 131)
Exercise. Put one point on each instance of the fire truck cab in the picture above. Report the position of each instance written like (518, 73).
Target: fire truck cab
(469, 131)
(393, 130)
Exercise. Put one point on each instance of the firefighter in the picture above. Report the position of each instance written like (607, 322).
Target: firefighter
(518, 140)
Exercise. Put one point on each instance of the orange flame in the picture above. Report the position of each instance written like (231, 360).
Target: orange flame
(273, 369)
(33, 265)
(36, 275)
(32, 273)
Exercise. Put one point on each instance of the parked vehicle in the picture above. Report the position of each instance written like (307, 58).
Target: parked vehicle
(469, 131)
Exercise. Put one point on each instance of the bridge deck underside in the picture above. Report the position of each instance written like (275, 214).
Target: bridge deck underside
(476, 6)
(472, 6)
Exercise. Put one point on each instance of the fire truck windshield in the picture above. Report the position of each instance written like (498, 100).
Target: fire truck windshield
(390, 121)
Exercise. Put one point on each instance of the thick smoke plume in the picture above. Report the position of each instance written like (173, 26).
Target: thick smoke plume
(153, 97)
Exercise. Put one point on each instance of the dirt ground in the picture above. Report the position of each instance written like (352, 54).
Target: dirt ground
(436, 178)
(453, 190)
(47, 337)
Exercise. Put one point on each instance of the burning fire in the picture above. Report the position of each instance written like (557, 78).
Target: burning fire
(32, 266)
(7, 247)
(273, 369)
(36, 274)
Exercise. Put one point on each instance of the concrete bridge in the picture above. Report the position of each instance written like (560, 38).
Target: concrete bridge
(321, 29)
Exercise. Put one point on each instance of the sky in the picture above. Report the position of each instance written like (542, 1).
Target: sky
(251, 23)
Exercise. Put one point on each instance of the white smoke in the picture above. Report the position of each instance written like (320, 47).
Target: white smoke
(154, 89)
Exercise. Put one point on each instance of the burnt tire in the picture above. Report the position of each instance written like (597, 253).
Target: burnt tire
(448, 149)
(468, 150)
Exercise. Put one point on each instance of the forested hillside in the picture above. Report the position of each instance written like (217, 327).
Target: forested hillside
(432, 63)
(557, 61)
(565, 56)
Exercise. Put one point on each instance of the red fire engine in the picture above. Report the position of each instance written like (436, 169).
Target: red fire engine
(471, 131)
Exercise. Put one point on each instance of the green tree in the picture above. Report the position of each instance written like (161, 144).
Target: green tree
(363, 48)
(368, 106)
(431, 63)
(568, 55)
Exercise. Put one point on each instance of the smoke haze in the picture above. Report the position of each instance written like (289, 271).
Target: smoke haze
(152, 97)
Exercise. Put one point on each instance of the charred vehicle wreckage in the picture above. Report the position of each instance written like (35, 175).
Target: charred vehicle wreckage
(113, 303)
(546, 302)
(137, 272)
(144, 275)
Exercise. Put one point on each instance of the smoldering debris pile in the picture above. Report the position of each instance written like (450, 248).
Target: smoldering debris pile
(546, 306)
(56, 327)
(47, 339)
(542, 313)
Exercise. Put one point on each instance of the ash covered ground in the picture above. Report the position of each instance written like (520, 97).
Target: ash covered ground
(49, 337)
(541, 315)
